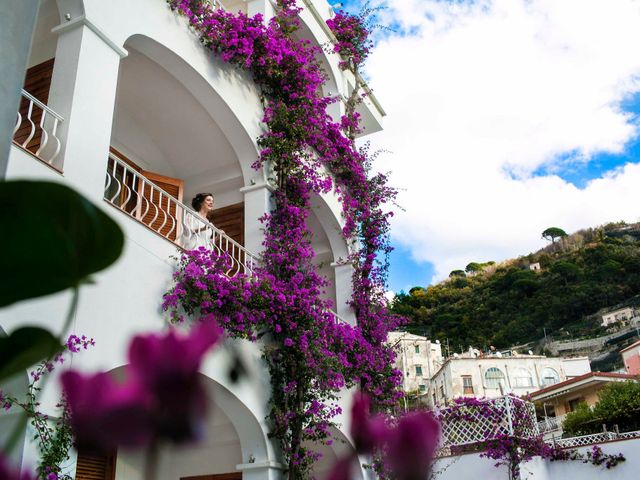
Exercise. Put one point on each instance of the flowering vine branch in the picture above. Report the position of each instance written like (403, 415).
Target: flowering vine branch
(54, 440)
(310, 357)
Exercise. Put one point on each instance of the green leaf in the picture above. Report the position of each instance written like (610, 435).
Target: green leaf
(25, 347)
(53, 239)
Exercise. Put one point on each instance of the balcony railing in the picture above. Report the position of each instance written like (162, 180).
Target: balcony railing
(550, 424)
(134, 194)
(36, 129)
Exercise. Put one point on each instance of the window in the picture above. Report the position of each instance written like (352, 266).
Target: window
(418, 370)
(549, 376)
(494, 377)
(467, 385)
(522, 378)
(444, 399)
(417, 347)
(422, 388)
(574, 403)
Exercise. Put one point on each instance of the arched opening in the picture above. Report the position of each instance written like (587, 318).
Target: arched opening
(494, 377)
(231, 436)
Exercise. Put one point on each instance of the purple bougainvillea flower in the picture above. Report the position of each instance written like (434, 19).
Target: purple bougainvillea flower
(163, 397)
(105, 414)
(7, 472)
(167, 368)
(412, 445)
(367, 432)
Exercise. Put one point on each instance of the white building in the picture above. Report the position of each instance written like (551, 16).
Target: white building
(418, 358)
(620, 315)
(474, 374)
(134, 102)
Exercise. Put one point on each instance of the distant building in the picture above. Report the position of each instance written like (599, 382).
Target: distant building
(474, 374)
(576, 366)
(555, 401)
(535, 267)
(417, 357)
(620, 315)
(631, 358)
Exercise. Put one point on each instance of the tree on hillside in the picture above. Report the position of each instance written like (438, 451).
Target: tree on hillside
(553, 233)
(457, 273)
(473, 267)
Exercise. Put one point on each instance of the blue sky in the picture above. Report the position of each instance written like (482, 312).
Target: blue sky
(517, 113)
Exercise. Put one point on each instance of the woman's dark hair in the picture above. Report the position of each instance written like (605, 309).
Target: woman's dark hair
(199, 199)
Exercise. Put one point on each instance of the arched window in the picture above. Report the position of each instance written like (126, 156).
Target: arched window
(549, 376)
(493, 377)
(522, 378)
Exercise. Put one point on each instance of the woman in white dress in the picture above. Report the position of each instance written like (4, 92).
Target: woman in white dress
(197, 231)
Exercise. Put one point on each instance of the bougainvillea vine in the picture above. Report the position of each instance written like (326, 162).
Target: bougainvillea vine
(310, 355)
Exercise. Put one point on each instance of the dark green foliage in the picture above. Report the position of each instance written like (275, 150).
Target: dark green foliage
(552, 233)
(512, 304)
(24, 347)
(53, 239)
(618, 404)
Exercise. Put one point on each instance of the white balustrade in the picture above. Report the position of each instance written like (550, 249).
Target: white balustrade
(137, 196)
(594, 439)
(550, 424)
(36, 128)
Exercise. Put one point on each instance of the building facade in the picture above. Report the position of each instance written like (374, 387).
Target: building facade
(631, 358)
(122, 103)
(477, 375)
(556, 401)
(418, 358)
(620, 315)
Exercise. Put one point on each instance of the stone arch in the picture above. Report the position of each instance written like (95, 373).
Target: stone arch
(206, 92)
(232, 436)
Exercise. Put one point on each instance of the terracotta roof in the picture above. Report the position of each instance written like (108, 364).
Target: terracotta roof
(556, 386)
(630, 346)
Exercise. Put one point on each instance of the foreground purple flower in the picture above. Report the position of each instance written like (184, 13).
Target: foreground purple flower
(412, 446)
(162, 398)
(7, 472)
(367, 432)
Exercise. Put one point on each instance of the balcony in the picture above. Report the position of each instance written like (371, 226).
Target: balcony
(131, 192)
(36, 130)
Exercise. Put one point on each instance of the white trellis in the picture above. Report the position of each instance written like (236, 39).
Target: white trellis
(473, 423)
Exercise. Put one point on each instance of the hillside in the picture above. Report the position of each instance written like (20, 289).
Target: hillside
(509, 303)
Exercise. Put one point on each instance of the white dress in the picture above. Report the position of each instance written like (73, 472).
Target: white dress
(196, 232)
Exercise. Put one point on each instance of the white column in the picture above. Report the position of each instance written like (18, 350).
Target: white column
(257, 202)
(343, 273)
(265, 7)
(83, 91)
(268, 470)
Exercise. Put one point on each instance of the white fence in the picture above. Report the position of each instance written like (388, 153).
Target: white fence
(593, 439)
(550, 424)
(36, 129)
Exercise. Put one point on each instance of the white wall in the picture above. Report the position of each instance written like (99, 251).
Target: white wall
(472, 466)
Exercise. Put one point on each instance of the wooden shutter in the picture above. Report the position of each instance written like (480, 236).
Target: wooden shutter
(95, 466)
(231, 220)
(172, 186)
(37, 82)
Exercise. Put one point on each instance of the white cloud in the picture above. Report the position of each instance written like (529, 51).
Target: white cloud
(482, 94)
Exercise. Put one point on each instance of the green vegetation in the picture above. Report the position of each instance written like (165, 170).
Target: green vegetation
(552, 233)
(618, 404)
(506, 304)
